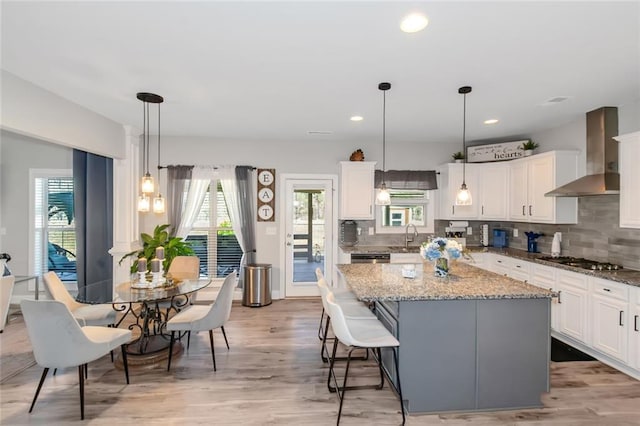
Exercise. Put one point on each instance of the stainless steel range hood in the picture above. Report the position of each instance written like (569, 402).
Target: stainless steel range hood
(602, 158)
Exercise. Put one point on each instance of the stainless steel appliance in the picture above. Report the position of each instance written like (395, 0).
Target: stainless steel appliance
(602, 158)
(370, 257)
(582, 263)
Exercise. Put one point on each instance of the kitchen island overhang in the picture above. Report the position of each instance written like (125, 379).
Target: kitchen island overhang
(475, 341)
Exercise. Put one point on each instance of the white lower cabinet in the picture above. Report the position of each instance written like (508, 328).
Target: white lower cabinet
(600, 316)
(609, 318)
(573, 296)
(511, 267)
(545, 277)
(634, 329)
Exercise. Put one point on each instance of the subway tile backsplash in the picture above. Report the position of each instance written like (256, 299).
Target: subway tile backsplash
(597, 235)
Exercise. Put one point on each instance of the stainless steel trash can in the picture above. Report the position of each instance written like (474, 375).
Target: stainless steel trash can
(257, 285)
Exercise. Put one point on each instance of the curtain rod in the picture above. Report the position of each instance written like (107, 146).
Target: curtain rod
(191, 165)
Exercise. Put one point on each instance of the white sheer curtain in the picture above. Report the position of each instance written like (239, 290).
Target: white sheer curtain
(200, 180)
(230, 188)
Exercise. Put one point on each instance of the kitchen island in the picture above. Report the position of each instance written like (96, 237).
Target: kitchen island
(471, 342)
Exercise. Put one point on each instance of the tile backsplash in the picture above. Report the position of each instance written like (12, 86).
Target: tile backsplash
(597, 235)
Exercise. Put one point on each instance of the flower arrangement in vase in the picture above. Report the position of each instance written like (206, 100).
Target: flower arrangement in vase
(441, 250)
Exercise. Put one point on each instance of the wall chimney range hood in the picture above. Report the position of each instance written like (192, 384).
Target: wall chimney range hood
(602, 158)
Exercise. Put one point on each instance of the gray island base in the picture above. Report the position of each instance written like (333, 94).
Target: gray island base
(475, 342)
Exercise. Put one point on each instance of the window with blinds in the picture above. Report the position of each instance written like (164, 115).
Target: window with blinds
(212, 236)
(54, 226)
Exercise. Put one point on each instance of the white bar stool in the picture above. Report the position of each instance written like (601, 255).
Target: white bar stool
(358, 334)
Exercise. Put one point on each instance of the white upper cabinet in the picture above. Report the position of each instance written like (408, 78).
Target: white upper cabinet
(494, 187)
(356, 190)
(450, 182)
(531, 177)
(628, 155)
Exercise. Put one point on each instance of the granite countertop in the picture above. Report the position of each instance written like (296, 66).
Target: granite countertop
(380, 249)
(371, 282)
(625, 276)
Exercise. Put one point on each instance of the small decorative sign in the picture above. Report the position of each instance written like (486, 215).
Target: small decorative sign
(495, 152)
(266, 195)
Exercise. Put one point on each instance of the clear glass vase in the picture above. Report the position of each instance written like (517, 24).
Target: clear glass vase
(441, 266)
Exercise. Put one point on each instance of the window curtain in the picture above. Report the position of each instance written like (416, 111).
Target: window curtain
(178, 178)
(238, 192)
(93, 199)
(200, 178)
(407, 179)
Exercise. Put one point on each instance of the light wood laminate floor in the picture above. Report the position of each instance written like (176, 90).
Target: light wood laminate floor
(273, 375)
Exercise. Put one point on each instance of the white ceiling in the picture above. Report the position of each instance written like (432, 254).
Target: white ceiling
(276, 70)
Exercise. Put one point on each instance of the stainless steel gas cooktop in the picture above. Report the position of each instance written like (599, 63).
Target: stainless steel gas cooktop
(580, 262)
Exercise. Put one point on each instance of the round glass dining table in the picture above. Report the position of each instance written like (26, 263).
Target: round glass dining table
(150, 307)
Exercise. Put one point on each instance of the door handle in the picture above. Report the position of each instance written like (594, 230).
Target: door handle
(453, 209)
(483, 210)
(621, 313)
(523, 213)
(635, 323)
(559, 293)
(529, 209)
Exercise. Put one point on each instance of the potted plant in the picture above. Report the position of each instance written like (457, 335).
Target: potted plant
(528, 147)
(458, 156)
(173, 246)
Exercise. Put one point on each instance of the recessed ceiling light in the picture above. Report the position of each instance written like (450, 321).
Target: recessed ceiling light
(414, 22)
(491, 121)
(356, 118)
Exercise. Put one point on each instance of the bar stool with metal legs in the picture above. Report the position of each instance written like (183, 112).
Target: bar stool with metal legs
(353, 310)
(340, 295)
(358, 334)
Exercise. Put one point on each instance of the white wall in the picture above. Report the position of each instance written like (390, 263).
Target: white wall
(19, 155)
(30, 110)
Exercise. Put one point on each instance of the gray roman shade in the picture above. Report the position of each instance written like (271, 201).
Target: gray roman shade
(407, 179)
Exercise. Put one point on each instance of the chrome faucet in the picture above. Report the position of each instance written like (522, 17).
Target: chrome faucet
(407, 238)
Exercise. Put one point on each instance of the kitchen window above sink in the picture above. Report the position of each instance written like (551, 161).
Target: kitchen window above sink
(407, 207)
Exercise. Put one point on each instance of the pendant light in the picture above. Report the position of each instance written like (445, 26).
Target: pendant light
(147, 184)
(463, 197)
(383, 198)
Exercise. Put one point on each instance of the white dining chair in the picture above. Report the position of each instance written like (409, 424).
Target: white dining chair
(59, 341)
(358, 334)
(181, 268)
(6, 290)
(205, 318)
(84, 313)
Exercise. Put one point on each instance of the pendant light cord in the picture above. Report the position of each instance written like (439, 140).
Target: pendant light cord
(147, 131)
(384, 132)
(158, 149)
(464, 134)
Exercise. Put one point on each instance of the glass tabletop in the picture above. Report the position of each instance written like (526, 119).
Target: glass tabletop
(127, 292)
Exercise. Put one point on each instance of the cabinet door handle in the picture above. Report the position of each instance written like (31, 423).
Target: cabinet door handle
(482, 209)
(621, 313)
(517, 266)
(523, 213)
(529, 209)
(559, 293)
(453, 209)
(635, 323)
(606, 289)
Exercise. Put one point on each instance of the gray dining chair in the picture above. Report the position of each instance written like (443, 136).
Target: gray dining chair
(205, 318)
(59, 341)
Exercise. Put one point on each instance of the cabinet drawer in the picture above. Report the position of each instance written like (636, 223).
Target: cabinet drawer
(610, 289)
(543, 276)
(573, 279)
